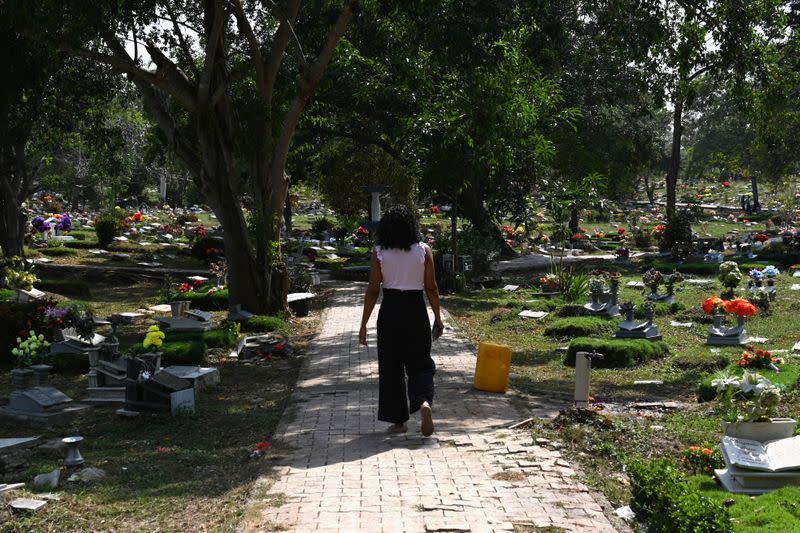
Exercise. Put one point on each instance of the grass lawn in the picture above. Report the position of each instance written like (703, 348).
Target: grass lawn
(166, 473)
(602, 449)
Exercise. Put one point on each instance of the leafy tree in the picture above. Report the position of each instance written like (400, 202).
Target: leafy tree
(227, 103)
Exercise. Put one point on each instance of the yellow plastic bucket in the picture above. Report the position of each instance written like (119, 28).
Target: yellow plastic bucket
(492, 366)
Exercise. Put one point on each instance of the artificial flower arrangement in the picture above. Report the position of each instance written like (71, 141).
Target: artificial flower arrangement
(153, 338)
(761, 237)
(549, 282)
(749, 398)
(760, 359)
(740, 307)
(653, 279)
(659, 229)
(31, 350)
(64, 223)
(18, 275)
(770, 271)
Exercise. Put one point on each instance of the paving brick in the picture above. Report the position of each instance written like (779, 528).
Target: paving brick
(346, 473)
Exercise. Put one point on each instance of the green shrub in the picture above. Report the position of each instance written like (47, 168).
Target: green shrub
(187, 352)
(67, 287)
(82, 244)
(264, 323)
(700, 360)
(215, 338)
(58, 252)
(186, 217)
(200, 299)
(7, 294)
(663, 499)
(579, 326)
(107, 226)
(616, 352)
(318, 225)
(571, 310)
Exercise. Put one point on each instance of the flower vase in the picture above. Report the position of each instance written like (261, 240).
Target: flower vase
(718, 321)
(649, 315)
(21, 377)
(40, 374)
(740, 320)
(775, 428)
(595, 298)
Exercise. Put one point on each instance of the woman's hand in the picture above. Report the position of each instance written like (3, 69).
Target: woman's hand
(437, 329)
(362, 336)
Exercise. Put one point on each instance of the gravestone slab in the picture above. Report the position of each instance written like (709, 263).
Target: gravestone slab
(199, 376)
(635, 284)
(37, 399)
(20, 442)
(161, 308)
(795, 287)
(27, 504)
(184, 324)
(796, 274)
(676, 324)
(198, 315)
(511, 288)
(533, 314)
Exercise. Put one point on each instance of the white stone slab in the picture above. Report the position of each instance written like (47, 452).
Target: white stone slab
(676, 324)
(700, 281)
(131, 314)
(10, 443)
(796, 274)
(635, 284)
(796, 347)
(758, 340)
(197, 278)
(161, 308)
(98, 252)
(121, 238)
(149, 265)
(795, 287)
(648, 382)
(62, 238)
(533, 314)
(297, 296)
(5, 487)
(43, 260)
(27, 504)
(511, 288)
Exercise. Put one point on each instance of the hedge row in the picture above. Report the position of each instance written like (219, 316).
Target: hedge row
(616, 352)
(580, 326)
(662, 498)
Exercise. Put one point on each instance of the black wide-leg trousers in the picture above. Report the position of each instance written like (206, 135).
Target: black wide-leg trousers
(404, 348)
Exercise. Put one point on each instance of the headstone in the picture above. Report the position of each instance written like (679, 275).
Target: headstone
(182, 402)
(199, 376)
(49, 480)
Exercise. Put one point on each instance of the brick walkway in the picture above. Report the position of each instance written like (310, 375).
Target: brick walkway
(345, 473)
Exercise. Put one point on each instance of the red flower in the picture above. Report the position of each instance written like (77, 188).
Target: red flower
(726, 183)
(711, 305)
(434, 209)
(261, 446)
(761, 237)
(163, 449)
(278, 347)
(620, 231)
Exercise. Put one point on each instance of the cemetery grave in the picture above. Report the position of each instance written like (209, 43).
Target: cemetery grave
(128, 462)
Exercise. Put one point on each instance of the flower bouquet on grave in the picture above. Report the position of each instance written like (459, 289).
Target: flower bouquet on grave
(702, 459)
(31, 350)
(653, 279)
(756, 275)
(549, 283)
(749, 398)
(753, 358)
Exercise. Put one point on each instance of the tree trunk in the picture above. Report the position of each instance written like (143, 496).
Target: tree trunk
(12, 228)
(574, 227)
(675, 156)
(754, 185)
(474, 210)
(649, 190)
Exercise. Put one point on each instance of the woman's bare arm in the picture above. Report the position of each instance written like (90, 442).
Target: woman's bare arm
(371, 296)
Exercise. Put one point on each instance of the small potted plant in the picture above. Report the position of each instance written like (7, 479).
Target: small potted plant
(730, 276)
(749, 406)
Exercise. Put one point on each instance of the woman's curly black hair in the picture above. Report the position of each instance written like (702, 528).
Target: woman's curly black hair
(397, 228)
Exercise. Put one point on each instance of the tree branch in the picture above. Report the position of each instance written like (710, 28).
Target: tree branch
(247, 30)
(279, 44)
(213, 44)
(182, 41)
(308, 83)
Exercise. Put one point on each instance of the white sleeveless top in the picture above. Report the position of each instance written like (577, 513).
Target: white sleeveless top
(402, 269)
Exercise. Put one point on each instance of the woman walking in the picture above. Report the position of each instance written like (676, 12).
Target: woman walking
(404, 267)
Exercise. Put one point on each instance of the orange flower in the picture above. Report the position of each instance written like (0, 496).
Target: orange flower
(712, 304)
(741, 307)
(707, 451)
(694, 448)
